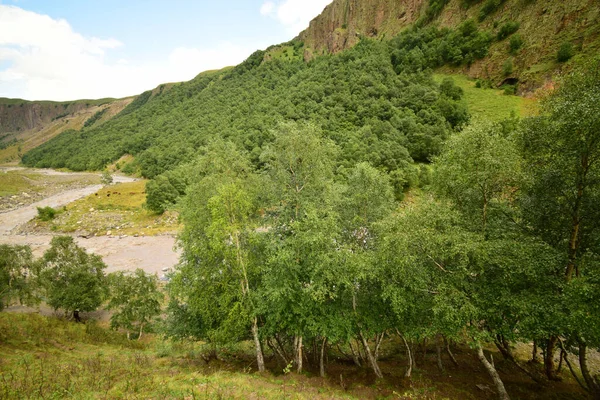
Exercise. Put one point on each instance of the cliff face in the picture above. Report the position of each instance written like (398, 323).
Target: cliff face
(342, 22)
(27, 124)
(544, 25)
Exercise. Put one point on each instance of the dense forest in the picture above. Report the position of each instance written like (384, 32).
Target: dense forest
(300, 255)
(377, 101)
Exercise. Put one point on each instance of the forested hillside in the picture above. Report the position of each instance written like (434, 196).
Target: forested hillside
(374, 100)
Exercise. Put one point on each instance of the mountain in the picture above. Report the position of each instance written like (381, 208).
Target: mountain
(25, 125)
(361, 73)
(544, 26)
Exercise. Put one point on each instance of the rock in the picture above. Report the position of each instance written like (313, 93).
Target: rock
(26, 195)
(92, 209)
(108, 233)
(78, 222)
(136, 235)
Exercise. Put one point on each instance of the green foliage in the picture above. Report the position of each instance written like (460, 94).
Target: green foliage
(46, 213)
(434, 9)
(418, 49)
(489, 7)
(160, 194)
(72, 280)
(510, 90)
(449, 89)
(507, 29)
(92, 120)
(507, 67)
(477, 170)
(516, 42)
(565, 52)
(16, 267)
(135, 299)
(106, 178)
(136, 104)
(341, 94)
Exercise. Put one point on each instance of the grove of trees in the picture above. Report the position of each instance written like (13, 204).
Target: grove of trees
(303, 255)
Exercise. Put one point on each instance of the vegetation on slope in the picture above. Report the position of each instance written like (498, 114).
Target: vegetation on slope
(365, 99)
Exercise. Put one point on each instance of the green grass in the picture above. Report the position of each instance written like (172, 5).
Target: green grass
(490, 104)
(48, 358)
(116, 208)
(25, 180)
(13, 182)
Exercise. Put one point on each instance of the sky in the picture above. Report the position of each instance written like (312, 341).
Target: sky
(88, 49)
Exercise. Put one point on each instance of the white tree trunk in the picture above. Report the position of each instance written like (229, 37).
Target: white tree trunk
(259, 354)
(370, 356)
(502, 394)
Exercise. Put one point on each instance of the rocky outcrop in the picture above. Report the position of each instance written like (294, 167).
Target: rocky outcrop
(343, 22)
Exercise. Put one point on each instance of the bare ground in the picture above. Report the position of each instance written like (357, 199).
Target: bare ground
(153, 254)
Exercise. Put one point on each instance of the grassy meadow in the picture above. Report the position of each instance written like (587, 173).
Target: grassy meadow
(118, 209)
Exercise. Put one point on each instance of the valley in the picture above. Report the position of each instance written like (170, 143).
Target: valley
(400, 202)
(123, 251)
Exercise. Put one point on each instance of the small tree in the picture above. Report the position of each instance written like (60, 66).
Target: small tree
(73, 280)
(15, 265)
(516, 42)
(136, 299)
(106, 178)
(160, 194)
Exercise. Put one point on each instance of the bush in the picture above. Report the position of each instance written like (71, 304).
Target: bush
(160, 193)
(483, 84)
(106, 178)
(516, 42)
(565, 52)
(450, 90)
(507, 29)
(507, 67)
(489, 7)
(46, 213)
(510, 90)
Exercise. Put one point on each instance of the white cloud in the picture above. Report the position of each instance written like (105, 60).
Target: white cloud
(295, 15)
(267, 8)
(47, 59)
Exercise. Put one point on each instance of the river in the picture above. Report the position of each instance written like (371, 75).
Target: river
(153, 254)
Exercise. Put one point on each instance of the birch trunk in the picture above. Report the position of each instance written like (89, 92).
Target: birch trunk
(370, 356)
(260, 360)
(502, 394)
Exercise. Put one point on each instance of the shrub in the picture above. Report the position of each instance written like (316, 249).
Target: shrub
(507, 29)
(450, 90)
(516, 42)
(489, 7)
(510, 90)
(106, 178)
(507, 67)
(565, 52)
(160, 193)
(483, 84)
(46, 213)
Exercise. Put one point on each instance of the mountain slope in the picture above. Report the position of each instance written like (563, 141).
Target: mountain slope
(375, 98)
(25, 125)
(543, 26)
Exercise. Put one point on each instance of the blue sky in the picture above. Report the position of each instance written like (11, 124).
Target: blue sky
(68, 49)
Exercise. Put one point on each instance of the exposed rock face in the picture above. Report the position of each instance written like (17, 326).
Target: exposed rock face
(544, 26)
(25, 115)
(343, 22)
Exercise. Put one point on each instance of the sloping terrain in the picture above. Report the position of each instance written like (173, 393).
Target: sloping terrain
(25, 125)
(542, 25)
